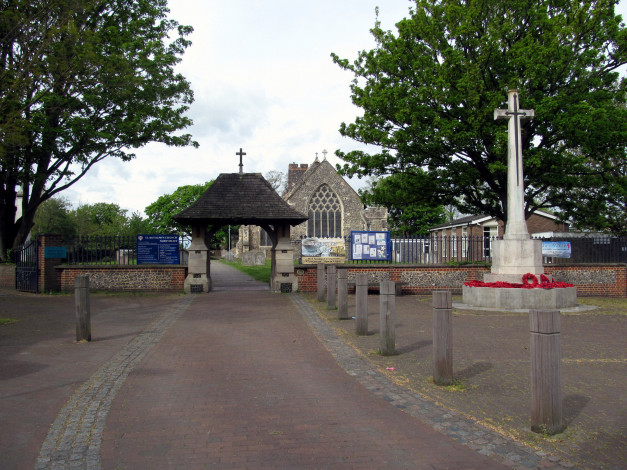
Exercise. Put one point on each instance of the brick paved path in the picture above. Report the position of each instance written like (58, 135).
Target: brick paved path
(242, 383)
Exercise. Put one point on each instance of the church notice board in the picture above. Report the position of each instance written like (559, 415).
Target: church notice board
(158, 249)
(371, 246)
(323, 251)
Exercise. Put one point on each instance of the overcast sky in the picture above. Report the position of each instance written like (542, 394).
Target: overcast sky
(264, 81)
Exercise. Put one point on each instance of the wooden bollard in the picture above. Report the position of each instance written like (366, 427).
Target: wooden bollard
(331, 286)
(546, 380)
(442, 337)
(320, 282)
(361, 301)
(387, 307)
(83, 316)
(342, 294)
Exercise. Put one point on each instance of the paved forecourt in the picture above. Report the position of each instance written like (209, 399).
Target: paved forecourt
(241, 382)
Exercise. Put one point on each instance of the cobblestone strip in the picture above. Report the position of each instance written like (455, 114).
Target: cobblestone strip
(74, 439)
(483, 440)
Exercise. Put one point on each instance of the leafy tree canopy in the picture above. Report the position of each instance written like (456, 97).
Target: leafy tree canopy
(428, 93)
(102, 219)
(410, 213)
(81, 81)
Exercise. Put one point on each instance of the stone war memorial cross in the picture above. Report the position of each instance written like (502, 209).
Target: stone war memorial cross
(516, 254)
(516, 225)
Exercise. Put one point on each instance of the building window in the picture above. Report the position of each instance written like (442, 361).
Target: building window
(325, 214)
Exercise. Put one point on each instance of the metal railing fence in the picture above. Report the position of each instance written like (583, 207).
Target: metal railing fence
(107, 250)
(478, 249)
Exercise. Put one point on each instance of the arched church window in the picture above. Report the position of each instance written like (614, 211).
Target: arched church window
(325, 214)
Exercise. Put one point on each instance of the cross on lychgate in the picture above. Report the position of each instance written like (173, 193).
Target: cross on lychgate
(241, 154)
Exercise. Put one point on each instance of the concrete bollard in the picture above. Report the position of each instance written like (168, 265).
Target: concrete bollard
(387, 308)
(342, 294)
(81, 300)
(320, 282)
(331, 286)
(546, 380)
(442, 337)
(361, 300)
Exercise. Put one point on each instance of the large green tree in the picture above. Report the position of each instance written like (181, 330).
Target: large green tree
(81, 81)
(429, 90)
(161, 212)
(410, 207)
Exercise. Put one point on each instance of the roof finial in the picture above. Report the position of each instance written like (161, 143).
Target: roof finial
(324, 152)
(241, 165)
(316, 160)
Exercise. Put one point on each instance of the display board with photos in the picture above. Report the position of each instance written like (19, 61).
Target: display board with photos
(371, 246)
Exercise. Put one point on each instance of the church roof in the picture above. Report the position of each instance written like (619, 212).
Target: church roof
(316, 166)
(240, 198)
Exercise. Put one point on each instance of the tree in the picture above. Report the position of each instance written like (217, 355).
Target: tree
(277, 180)
(161, 212)
(81, 81)
(53, 216)
(101, 218)
(428, 95)
(409, 212)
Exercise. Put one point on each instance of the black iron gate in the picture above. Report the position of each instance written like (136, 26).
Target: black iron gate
(27, 267)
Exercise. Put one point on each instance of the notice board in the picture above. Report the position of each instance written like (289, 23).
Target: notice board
(371, 246)
(158, 249)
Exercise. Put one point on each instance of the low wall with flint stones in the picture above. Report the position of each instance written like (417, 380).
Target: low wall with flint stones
(124, 278)
(608, 280)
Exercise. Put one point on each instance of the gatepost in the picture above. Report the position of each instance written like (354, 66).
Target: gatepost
(320, 272)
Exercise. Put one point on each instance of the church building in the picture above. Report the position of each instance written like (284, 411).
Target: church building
(332, 205)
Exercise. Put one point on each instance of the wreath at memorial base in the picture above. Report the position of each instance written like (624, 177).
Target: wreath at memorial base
(529, 281)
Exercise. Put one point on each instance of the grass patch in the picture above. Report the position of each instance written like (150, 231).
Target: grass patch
(7, 321)
(259, 273)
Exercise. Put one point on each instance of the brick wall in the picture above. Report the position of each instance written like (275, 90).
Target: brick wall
(144, 278)
(7, 276)
(590, 280)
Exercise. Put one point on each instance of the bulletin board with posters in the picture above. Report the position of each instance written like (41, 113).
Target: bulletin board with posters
(371, 246)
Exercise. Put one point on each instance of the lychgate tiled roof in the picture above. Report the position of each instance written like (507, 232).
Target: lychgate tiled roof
(240, 198)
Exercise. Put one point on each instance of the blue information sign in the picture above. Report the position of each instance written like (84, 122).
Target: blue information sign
(371, 246)
(158, 249)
